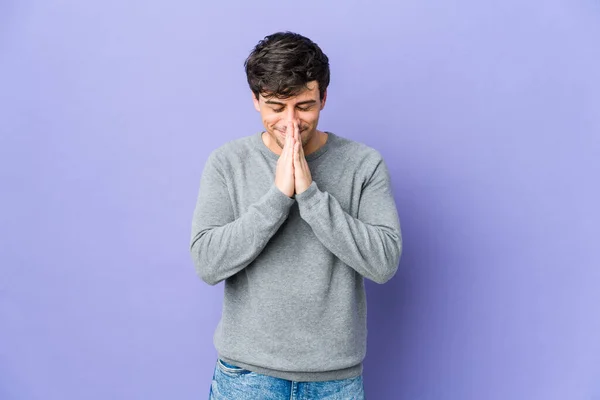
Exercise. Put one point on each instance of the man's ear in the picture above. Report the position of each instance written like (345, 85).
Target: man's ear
(256, 102)
(324, 99)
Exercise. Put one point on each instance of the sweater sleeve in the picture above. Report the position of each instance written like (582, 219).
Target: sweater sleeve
(221, 245)
(370, 244)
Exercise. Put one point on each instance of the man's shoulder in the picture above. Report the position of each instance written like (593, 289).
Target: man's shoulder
(234, 149)
(356, 149)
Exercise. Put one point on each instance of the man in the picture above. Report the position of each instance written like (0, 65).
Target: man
(293, 219)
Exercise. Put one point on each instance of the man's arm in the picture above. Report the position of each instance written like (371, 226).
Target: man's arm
(221, 245)
(370, 244)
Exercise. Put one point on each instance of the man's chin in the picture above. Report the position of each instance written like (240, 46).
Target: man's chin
(279, 137)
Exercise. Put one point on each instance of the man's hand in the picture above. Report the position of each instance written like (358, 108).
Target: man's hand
(302, 175)
(284, 173)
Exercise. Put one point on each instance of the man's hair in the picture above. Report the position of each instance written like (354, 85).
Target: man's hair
(283, 63)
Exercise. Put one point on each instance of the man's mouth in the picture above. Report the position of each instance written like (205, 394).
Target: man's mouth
(282, 131)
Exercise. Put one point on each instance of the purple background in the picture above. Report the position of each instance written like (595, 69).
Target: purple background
(488, 116)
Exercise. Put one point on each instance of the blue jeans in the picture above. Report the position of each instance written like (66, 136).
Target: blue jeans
(234, 383)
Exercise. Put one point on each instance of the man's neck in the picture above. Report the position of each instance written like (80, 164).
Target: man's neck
(318, 141)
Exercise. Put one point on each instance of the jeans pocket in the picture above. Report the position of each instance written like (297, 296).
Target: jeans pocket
(230, 369)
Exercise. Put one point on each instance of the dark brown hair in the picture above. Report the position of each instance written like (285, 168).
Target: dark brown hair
(283, 63)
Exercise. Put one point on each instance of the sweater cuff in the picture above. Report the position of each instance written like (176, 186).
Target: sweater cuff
(307, 199)
(278, 201)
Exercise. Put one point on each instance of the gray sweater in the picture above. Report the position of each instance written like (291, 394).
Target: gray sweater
(294, 305)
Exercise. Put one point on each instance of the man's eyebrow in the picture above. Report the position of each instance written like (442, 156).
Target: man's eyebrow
(274, 102)
(301, 103)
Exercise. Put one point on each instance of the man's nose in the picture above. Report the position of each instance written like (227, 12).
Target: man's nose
(292, 115)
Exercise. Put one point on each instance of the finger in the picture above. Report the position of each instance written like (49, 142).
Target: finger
(292, 145)
(301, 150)
(297, 153)
(288, 132)
(288, 137)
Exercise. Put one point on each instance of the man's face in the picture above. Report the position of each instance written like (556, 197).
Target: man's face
(303, 108)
